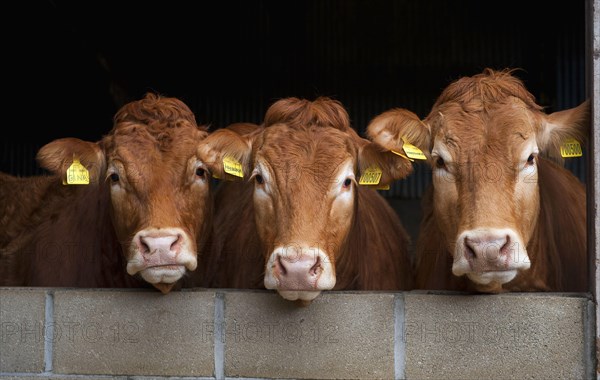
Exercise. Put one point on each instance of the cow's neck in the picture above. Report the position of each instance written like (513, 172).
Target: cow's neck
(374, 254)
(87, 250)
(559, 239)
(434, 259)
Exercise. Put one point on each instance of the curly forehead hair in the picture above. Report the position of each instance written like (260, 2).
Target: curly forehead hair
(155, 109)
(297, 112)
(156, 117)
(488, 88)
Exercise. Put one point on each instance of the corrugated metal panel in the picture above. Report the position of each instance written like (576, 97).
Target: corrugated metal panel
(570, 83)
(19, 158)
(375, 55)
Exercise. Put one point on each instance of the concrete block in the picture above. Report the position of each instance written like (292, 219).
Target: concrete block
(494, 336)
(168, 378)
(339, 335)
(22, 318)
(63, 377)
(134, 333)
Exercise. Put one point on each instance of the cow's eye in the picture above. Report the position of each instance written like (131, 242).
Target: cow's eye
(114, 177)
(530, 159)
(200, 172)
(439, 163)
(259, 179)
(347, 183)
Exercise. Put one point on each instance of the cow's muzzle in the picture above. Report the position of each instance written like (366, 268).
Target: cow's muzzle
(299, 272)
(490, 255)
(162, 256)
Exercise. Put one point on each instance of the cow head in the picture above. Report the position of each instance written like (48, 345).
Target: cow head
(304, 165)
(158, 187)
(483, 138)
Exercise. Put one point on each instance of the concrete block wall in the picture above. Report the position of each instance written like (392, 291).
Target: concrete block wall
(216, 334)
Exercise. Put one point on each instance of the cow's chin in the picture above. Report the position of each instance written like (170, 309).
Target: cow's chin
(164, 277)
(492, 281)
(164, 288)
(299, 295)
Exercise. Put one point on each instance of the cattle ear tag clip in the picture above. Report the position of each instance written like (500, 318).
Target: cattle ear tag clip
(371, 176)
(412, 152)
(232, 166)
(77, 174)
(571, 148)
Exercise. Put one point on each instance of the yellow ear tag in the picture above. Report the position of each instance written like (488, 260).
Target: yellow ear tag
(383, 187)
(77, 174)
(371, 176)
(570, 148)
(232, 166)
(412, 151)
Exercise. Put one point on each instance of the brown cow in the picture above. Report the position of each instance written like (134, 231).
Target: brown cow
(499, 217)
(141, 219)
(298, 222)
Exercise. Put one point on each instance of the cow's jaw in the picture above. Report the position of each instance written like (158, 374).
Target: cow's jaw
(161, 256)
(299, 272)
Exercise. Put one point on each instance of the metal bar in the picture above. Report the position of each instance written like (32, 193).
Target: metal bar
(593, 183)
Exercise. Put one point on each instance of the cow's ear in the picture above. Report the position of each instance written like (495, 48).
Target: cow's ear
(60, 155)
(393, 128)
(227, 152)
(378, 166)
(559, 127)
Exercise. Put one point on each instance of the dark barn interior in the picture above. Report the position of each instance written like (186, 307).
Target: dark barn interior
(69, 65)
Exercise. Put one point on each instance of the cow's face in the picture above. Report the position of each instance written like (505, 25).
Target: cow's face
(159, 189)
(485, 188)
(304, 182)
(304, 193)
(484, 167)
(160, 202)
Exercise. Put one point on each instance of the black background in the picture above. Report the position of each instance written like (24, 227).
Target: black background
(69, 65)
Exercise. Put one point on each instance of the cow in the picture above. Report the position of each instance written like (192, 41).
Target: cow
(296, 220)
(131, 210)
(502, 213)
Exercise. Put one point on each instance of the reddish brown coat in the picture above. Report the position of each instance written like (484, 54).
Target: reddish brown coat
(307, 137)
(558, 243)
(81, 235)
(500, 215)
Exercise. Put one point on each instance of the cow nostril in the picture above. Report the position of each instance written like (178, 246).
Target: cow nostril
(144, 246)
(505, 248)
(469, 251)
(279, 265)
(314, 270)
(176, 243)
